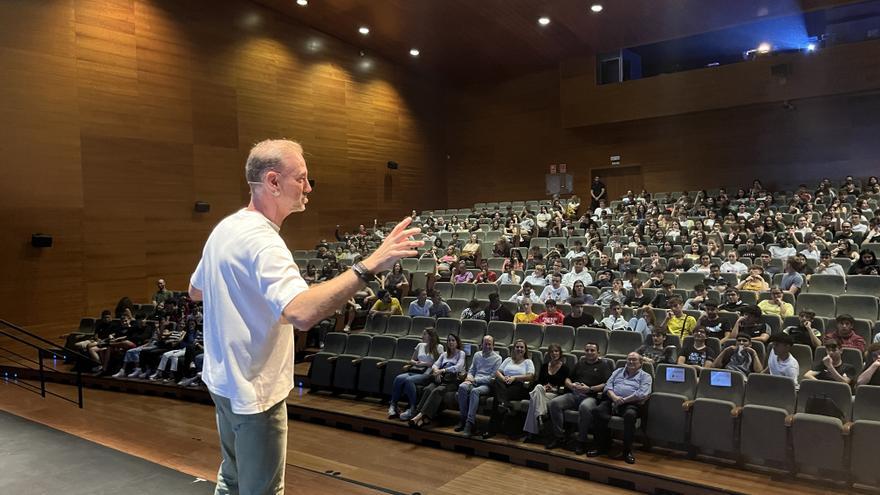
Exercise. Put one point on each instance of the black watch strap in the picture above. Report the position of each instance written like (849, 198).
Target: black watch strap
(363, 273)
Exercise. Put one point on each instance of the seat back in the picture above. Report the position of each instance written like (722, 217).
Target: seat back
(463, 291)
(721, 385)
(506, 291)
(585, 335)
(839, 393)
(447, 326)
(848, 356)
(405, 347)
(559, 334)
(456, 306)
(688, 280)
(821, 283)
(804, 356)
(444, 288)
(409, 264)
(334, 343)
(857, 306)
(867, 403)
(822, 304)
(483, 290)
(358, 344)
(86, 325)
(420, 323)
(398, 325)
(502, 332)
(622, 342)
(773, 391)
(382, 346)
(531, 333)
(865, 285)
(674, 379)
(376, 324)
(472, 330)
(594, 311)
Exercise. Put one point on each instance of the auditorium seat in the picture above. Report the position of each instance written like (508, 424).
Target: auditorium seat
(456, 306)
(502, 332)
(857, 306)
(463, 291)
(827, 284)
(531, 333)
(418, 280)
(864, 435)
(821, 304)
(444, 288)
(673, 386)
(865, 285)
(323, 363)
(506, 291)
(769, 400)
(403, 352)
(345, 373)
(713, 423)
(688, 280)
(558, 334)
(472, 331)
(804, 356)
(409, 264)
(622, 342)
(483, 290)
(584, 335)
(420, 323)
(398, 325)
(810, 430)
(369, 376)
(447, 326)
(376, 324)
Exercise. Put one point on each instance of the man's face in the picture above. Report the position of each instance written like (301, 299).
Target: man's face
(712, 312)
(844, 328)
(293, 184)
(633, 361)
(488, 344)
(731, 257)
(386, 298)
(715, 272)
(106, 318)
(556, 281)
(161, 284)
(579, 265)
(591, 352)
(776, 294)
(577, 310)
(616, 310)
(423, 296)
(676, 308)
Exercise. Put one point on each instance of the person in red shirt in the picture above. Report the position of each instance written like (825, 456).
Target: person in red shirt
(485, 276)
(844, 333)
(551, 316)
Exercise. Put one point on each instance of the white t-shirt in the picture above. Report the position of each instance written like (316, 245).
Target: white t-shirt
(509, 368)
(789, 367)
(247, 276)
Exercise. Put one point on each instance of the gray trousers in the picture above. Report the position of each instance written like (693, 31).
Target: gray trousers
(584, 405)
(254, 448)
(469, 401)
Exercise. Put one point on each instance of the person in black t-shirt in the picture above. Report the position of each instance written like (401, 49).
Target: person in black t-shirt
(578, 318)
(597, 192)
(658, 352)
(715, 281)
(663, 295)
(805, 333)
(832, 367)
(732, 301)
(715, 326)
(696, 353)
(750, 324)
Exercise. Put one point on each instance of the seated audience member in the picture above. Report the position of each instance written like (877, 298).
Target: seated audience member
(477, 383)
(386, 304)
(579, 272)
(869, 375)
(792, 280)
(524, 293)
(827, 266)
(171, 338)
(615, 319)
(750, 250)
(578, 291)
(461, 275)
(657, 352)
(732, 302)
(603, 279)
(741, 357)
(417, 372)
(698, 301)
(495, 311)
(471, 251)
(844, 333)
(585, 383)
(526, 315)
(677, 322)
(662, 297)
(643, 322)
(509, 276)
(485, 276)
(439, 308)
(92, 345)
(702, 266)
(537, 278)
(696, 353)
(445, 375)
(167, 368)
(832, 367)
(422, 305)
(139, 333)
(655, 262)
(396, 282)
(775, 305)
(715, 280)
(613, 294)
(712, 322)
(804, 333)
(754, 281)
(473, 311)
(733, 265)
(555, 291)
(626, 262)
(751, 325)
(637, 296)
(784, 249)
(678, 263)
(625, 392)
(551, 315)
(865, 265)
(578, 318)
(780, 362)
(551, 384)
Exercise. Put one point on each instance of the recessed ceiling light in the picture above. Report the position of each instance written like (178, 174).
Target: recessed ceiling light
(811, 47)
(764, 47)
(302, 3)
(414, 52)
(364, 30)
(596, 7)
(543, 21)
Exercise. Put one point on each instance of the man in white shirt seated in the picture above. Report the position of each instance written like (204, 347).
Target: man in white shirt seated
(780, 362)
(555, 290)
(597, 213)
(578, 273)
(615, 319)
(422, 305)
(733, 265)
(524, 293)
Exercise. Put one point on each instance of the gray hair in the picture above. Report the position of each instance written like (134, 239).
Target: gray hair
(268, 155)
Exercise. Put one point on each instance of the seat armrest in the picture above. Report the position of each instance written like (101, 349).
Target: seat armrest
(381, 364)
(332, 358)
(687, 405)
(789, 420)
(309, 358)
(847, 427)
(357, 361)
(736, 412)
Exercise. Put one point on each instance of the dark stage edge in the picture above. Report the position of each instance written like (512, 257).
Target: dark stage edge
(36, 459)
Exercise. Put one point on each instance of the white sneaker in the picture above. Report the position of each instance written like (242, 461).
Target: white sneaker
(135, 373)
(407, 415)
(143, 375)
(392, 411)
(120, 373)
(154, 377)
(186, 381)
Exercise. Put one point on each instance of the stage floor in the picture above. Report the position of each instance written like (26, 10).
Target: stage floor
(36, 459)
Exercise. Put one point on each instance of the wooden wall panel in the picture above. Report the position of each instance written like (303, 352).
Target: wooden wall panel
(117, 115)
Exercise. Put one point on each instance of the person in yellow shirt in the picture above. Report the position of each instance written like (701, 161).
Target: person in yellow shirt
(775, 305)
(677, 322)
(526, 315)
(754, 280)
(386, 304)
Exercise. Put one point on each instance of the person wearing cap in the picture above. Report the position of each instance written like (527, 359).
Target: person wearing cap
(750, 324)
(551, 315)
(845, 335)
(495, 311)
(827, 266)
(832, 367)
(780, 362)
(578, 318)
(775, 305)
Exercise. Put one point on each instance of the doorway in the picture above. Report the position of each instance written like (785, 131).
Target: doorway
(618, 180)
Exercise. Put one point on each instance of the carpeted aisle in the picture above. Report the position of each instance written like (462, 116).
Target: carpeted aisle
(36, 460)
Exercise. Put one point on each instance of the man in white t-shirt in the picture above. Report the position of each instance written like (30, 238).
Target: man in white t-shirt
(781, 362)
(578, 273)
(254, 295)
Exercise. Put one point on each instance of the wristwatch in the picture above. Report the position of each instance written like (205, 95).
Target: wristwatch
(363, 273)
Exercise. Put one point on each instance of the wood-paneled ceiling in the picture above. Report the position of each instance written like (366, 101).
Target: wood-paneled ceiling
(465, 41)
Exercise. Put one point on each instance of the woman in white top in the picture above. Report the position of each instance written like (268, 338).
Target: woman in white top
(510, 384)
(418, 373)
(446, 374)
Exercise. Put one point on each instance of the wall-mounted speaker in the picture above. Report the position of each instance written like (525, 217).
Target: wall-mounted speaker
(393, 165)
(41, 240)
(202, 207)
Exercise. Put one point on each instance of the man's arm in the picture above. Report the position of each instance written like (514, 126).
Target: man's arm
(321, 300)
